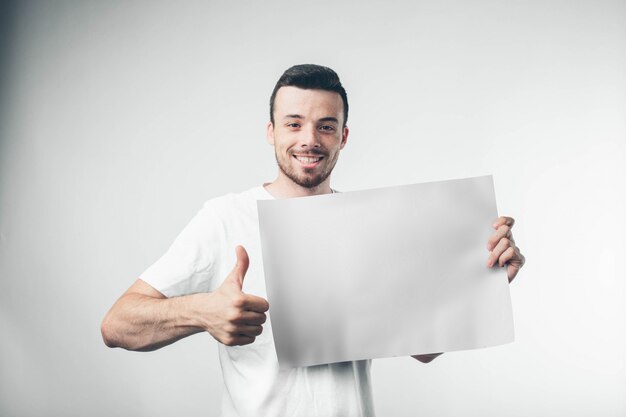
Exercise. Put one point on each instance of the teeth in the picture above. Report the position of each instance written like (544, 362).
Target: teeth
(308, 159)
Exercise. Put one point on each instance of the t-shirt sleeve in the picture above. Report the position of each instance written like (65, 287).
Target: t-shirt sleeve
(188, 266)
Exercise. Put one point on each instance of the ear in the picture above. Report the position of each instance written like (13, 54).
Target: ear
(344, 137)
(269, 133)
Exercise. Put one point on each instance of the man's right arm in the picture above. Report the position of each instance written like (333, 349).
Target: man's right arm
(143, 319)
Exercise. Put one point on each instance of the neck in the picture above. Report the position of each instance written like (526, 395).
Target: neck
(283, 187)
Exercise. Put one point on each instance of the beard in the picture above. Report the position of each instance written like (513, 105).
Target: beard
(308, 179)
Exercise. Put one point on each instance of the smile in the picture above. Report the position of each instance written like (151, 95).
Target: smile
(308, 161)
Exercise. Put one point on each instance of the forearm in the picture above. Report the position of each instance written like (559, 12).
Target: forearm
(144, 323)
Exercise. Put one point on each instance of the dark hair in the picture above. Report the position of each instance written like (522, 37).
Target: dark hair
(311, 77)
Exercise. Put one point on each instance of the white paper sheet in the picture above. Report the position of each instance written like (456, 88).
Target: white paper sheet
(385, 272)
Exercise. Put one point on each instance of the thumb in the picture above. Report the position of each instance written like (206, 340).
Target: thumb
(241, 267)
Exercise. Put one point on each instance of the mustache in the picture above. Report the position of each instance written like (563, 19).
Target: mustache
(315, 151)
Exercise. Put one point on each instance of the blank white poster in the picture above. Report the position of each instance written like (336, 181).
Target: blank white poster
(385, 272)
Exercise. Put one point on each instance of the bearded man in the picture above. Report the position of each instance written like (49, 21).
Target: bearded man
(194, 287)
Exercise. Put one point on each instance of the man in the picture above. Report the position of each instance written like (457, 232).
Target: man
(193, 289)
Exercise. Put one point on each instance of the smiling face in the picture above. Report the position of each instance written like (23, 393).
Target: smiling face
(307, 135)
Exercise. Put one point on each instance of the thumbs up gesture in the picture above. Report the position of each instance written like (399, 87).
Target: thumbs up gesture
(236, 318)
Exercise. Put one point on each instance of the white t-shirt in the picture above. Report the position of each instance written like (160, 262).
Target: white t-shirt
(198, 261)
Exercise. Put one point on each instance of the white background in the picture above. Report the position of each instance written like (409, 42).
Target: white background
(119, 119)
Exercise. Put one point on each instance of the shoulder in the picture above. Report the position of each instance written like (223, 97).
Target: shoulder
(226, 204)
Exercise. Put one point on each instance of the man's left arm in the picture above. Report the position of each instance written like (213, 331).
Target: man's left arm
(502, 252)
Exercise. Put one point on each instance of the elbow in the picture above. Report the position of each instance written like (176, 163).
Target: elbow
(113, 336)
(108, 333)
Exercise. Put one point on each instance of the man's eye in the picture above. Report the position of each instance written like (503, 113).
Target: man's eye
(294, 125)
(327, 128)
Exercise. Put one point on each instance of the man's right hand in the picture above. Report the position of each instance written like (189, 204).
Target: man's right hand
(144, 319)
(236, 318)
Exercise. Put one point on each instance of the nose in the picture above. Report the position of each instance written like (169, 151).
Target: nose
(309, 137)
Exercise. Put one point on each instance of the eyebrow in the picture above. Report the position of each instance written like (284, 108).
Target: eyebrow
(323, 119)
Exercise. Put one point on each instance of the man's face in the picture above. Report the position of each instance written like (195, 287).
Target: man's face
(307, 134)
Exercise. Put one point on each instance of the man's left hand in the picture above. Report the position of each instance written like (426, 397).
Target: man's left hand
(503, 252)
(503, 249)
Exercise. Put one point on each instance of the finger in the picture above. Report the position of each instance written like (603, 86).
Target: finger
(237, 340)
(241, 267)
(515, 266)
(502, 220)
(246, 330)
(254, 303)
(502, 231)
(235, 278)
(506, 256)
(250, 317)
(502, 245)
